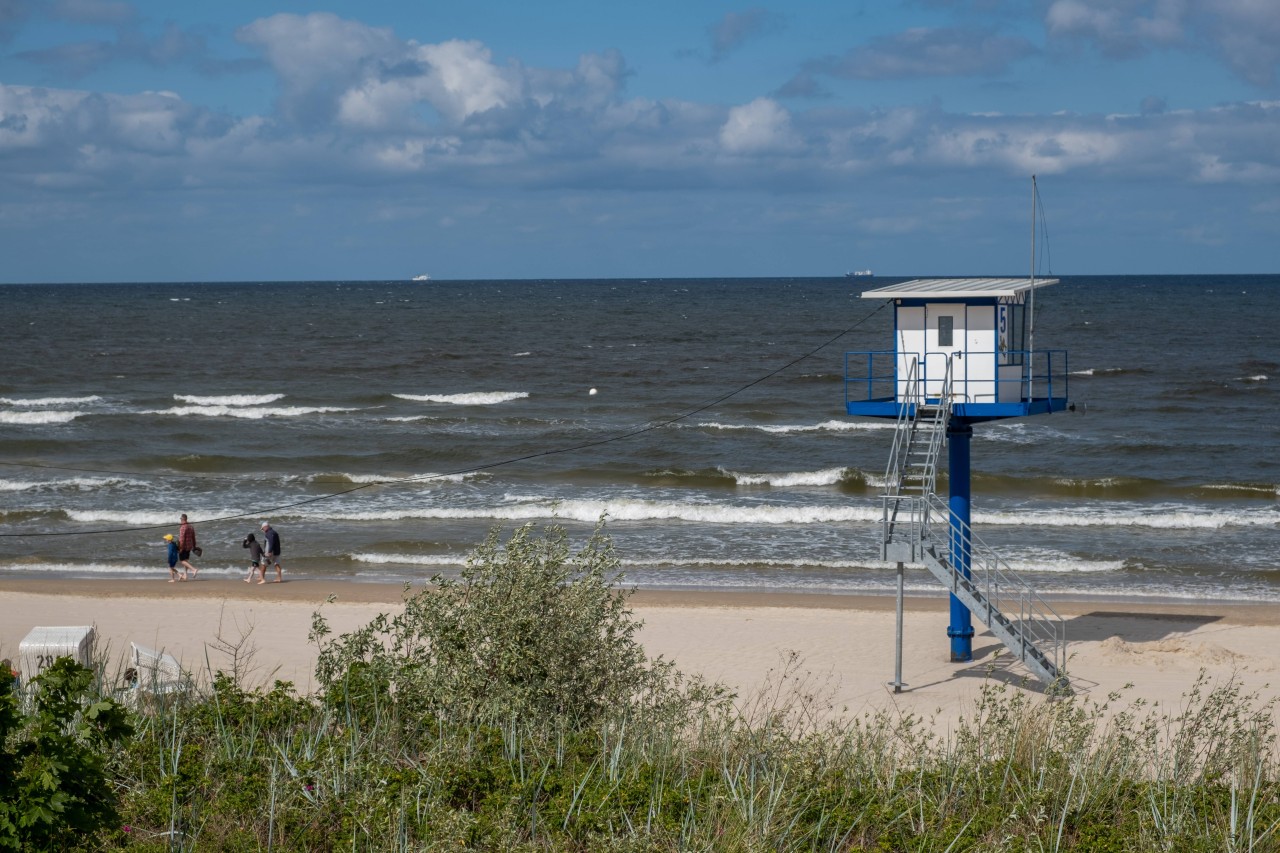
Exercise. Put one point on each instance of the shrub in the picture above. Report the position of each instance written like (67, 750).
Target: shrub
(55, 791)
(528, 631)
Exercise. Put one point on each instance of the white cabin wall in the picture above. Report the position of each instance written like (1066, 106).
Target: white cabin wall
(980, 354)
(909, 343)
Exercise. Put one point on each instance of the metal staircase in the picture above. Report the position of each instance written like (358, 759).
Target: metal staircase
(919, 528)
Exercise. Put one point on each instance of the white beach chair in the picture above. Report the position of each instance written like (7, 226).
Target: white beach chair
(156, 672)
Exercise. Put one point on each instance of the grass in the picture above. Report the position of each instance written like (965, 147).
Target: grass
(604, 749)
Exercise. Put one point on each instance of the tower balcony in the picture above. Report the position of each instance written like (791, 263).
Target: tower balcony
(985, 386)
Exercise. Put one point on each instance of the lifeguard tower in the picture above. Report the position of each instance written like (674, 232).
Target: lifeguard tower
(963, 353)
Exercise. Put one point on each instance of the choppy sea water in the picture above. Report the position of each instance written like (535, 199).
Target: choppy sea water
(123, 405)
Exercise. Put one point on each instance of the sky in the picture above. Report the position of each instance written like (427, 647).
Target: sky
(280, 140)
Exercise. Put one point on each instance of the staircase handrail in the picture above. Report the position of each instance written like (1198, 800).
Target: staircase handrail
(910, 393)
(913, 411)
(1004, 589)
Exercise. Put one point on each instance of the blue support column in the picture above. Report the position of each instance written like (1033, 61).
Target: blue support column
(961, 628)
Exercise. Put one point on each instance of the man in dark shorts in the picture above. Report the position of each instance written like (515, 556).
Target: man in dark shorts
(270, 552)
(186, 544)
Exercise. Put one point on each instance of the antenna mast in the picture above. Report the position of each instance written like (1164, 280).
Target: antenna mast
(1031, 342)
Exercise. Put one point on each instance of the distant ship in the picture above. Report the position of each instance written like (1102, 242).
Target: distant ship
(423, 277)
(859, 274)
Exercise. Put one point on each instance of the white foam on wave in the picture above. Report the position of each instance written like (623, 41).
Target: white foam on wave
(1044, 560)
(747, 563)
(1172, 592)
(1160, 518)
(410, 559)
(248, 412)
(149, 518)
(229, 399)
(81, 483)
(49, 401)
(1092, 371)
(1261, 377)
(391, 479)
(157, 570)
(825, 426)
(86, 568)
(408, 419)
(825, 477)
(522, 509)
(1244, 487)
(474, 398)
(38, 418)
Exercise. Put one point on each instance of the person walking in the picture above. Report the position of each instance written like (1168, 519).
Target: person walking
(270, 552)
(173, 558)
(186, 545)
(255, 559)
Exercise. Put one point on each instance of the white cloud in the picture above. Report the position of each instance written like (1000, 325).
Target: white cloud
(761, 126)
(318, 57)
(463, 80)
(1243, 34)
(366, 78)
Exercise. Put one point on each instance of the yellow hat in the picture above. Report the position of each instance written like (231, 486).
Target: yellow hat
(168, 537)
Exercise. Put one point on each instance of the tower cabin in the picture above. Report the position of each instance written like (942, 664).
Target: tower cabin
(979, 329)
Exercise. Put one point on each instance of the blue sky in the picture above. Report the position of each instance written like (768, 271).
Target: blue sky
(280, 140)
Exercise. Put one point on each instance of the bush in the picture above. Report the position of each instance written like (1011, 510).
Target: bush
(528, 631)
(55, 791)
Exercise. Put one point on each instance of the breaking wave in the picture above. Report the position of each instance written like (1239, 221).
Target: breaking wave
(474, 398)
(49, 401)
(229, 399)
(38, 418)
(825, 426)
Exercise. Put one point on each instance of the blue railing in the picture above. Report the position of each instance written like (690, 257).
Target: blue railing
(872, 376)
(879, 379)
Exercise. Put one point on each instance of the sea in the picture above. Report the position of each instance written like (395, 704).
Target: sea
(385, 428)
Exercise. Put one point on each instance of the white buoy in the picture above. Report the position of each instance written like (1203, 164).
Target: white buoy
(592, 392)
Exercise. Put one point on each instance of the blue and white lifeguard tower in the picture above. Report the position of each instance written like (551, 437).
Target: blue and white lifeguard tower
(963, 353)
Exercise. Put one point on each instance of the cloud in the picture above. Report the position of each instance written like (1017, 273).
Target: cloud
(1242, 34)
(735, 28)
(928, 52)
(761, 126)
(360, 107)
(1246, 33)
(365, 78)
(1119, 30)
(318, 57)
(67, 138)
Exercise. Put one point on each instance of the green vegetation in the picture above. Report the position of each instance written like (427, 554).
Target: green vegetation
(512, 709)
(54, 786)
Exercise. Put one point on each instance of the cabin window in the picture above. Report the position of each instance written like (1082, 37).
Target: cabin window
(946, 330)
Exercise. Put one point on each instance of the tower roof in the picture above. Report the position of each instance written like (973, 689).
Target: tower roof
(956, 288)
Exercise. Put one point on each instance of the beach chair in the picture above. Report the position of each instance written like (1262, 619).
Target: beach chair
(156, 672)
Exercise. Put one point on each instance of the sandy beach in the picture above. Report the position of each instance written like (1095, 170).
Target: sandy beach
(844, 644)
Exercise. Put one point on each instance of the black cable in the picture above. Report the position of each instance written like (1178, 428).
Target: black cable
(553, 452)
